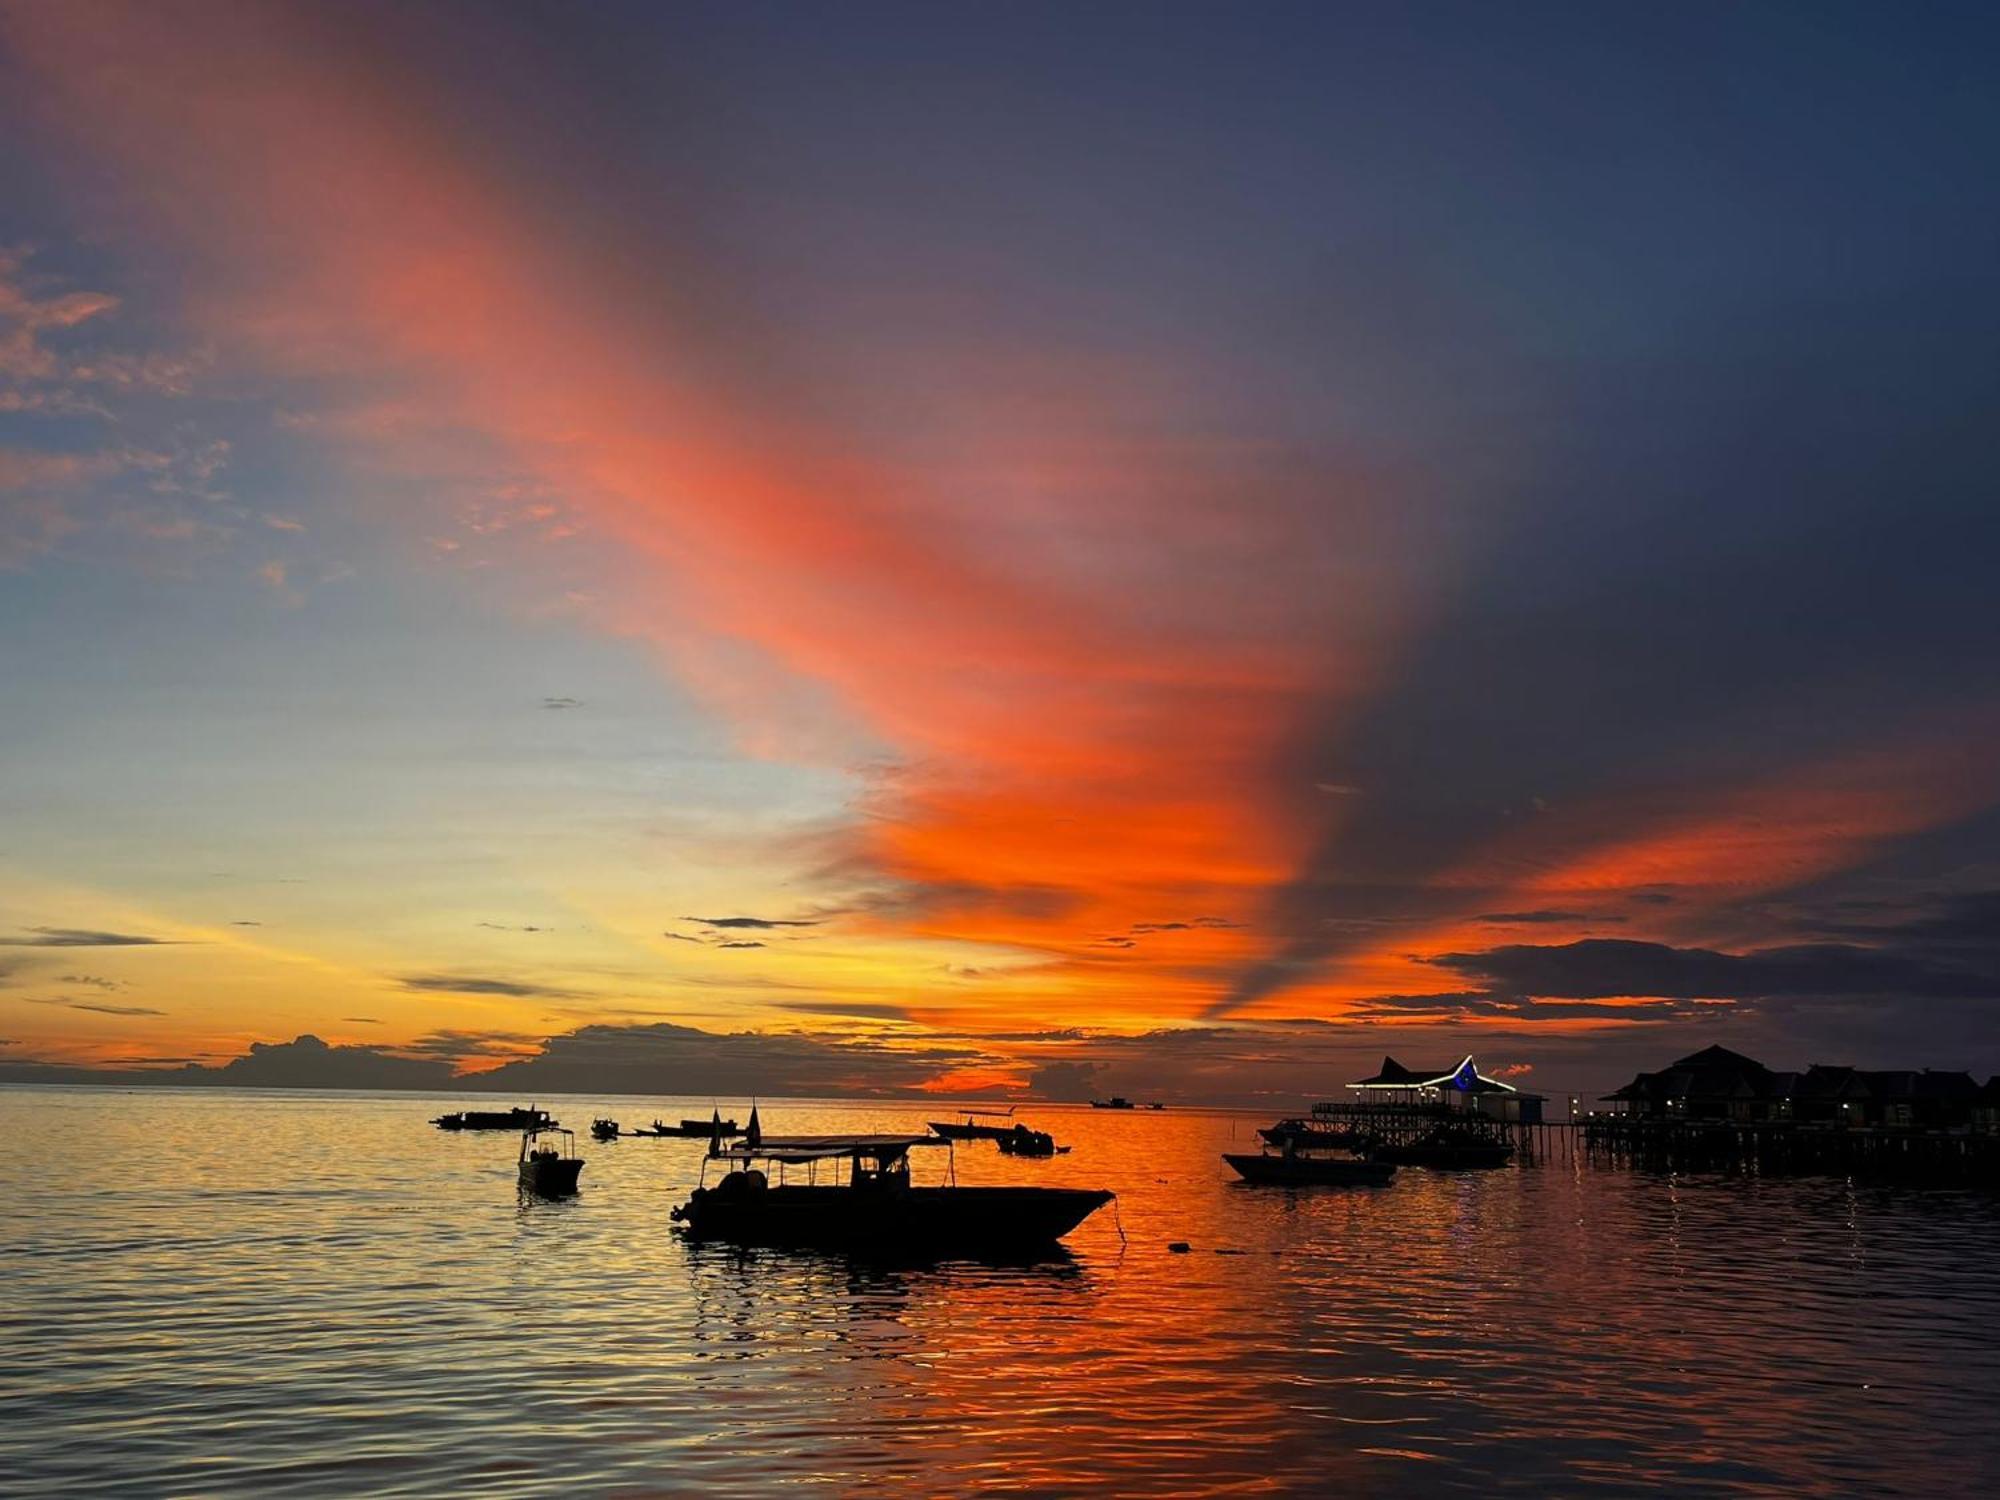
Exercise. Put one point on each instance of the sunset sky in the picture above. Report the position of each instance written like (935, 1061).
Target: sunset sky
(1115, 546)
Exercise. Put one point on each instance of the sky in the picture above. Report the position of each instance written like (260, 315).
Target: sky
(985, 548)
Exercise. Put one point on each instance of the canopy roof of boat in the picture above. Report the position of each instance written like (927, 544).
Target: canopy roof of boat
(803, 1148)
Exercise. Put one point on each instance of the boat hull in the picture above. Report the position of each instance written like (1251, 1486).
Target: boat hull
(551, 1179)
(968, 1219)
(1311, 1171)
(478, 1119)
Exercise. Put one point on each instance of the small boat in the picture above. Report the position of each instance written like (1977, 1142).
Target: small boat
(1021, 1141)
(547, 1169)
(1116, 1101)
(604, 1130)
(870, 1204)
(495, 1119)
(970, 1130)
(1296, 1170)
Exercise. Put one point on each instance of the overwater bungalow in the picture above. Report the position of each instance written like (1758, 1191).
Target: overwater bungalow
(1716, 1084)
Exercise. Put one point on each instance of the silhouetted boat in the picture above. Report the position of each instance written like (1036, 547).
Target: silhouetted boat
(546, 1169)
(1446, 1149)
(876, 1208)
(697, 1130)
(1021, 1141)
(1298, 1170)
(1116, 1101)
(604, 1130)
(969, 1130)
(1312, 1135)
(495, 1119)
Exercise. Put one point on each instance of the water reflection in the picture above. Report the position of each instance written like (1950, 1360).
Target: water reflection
(261, 1294)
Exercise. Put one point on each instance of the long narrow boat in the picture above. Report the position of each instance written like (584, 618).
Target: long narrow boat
(970, 1130)
(1448, 1152)
(494, 1119)
(1311, 1171)
(870, 1204)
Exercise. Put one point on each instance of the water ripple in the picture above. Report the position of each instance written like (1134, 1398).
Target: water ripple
(267, 1294)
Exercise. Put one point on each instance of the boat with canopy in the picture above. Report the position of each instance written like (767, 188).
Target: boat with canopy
(548, 1169)
(858, 1194)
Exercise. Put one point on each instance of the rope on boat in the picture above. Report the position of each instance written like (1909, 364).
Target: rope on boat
(1119, 1220)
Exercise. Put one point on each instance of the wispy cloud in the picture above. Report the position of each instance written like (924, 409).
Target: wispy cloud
(461, 984)
(81, 937)
(100, 1007)
(756, 923)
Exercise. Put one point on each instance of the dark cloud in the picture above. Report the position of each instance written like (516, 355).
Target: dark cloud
(79, 937)
(1064, 1082)
(757, 923)
(459, 1045)
(1114, 942)
(99, 1007)
(665, 1058)
(562, 703)
(364, 1020)
(454, 984)
(507, 927)
(747, 944)
(1600, 968)
(94, 981)
(308, 1062)
(1662, 610)
(246, 924)
(863, 1010)
(680, 937)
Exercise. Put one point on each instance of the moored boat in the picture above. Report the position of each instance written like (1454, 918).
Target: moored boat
(1021, 1141)
(495, 1119)
(604, 1130)
(1116, 1101)
(969, 1129)
(1298, 1170)
(546, 1167)
(1446, 1150)
(870, 1204)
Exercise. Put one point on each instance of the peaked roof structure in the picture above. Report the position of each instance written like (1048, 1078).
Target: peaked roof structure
(1463, 1078)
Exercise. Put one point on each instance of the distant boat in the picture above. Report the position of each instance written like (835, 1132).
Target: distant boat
(1116, 1101)
(604, 1130)
(692, 1129)
(495, 1119)
(546, 1168)
(969, 1130)
(1311, 1171)
(875, 1208)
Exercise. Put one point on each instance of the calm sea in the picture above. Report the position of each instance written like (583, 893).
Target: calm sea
(206, 1293)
